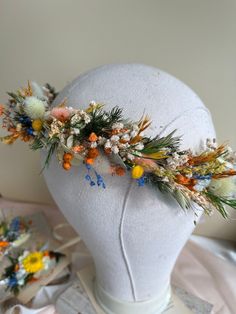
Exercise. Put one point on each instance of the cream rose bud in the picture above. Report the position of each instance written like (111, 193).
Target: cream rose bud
(34, 107)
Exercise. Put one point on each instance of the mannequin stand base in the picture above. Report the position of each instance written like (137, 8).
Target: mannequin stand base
(87, 278)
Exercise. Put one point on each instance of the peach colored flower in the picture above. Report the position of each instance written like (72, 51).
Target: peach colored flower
(148, 164)
(62, 114)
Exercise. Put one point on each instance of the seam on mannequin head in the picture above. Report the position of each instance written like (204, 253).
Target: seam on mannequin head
(121, 239)
(183, 113)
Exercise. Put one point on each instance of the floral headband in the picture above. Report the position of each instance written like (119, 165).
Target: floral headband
(206, 178)
(27, 267)
(13, 234)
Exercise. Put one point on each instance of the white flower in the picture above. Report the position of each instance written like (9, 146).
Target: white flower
(93, 145)
(117, 125)
(115, 149)
(21, 282)
(75, 118)
(125, 137)
(130, 156)
(202, 184)
(139, 146)
(107, 144)
(34, 107)
(115, 138)
(124, 145)
(85, 117)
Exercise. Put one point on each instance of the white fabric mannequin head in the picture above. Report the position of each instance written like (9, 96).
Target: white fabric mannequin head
(134, 233)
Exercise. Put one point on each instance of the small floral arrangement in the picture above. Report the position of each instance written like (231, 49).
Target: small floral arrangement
(28, 267)
(13, 234)
(206, 178)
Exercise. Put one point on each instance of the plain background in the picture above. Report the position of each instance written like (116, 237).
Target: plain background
(56, 40)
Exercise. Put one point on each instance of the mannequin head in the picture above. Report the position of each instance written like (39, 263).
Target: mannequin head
(133, 233)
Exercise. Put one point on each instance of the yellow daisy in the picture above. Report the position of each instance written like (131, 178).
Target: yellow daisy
(33, 262)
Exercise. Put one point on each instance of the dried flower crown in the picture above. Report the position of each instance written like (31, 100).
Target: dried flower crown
(13, 234)
(27, 267)
(206, 178)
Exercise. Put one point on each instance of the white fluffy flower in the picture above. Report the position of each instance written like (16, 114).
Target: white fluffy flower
(125, 137)
(85, 117)
(224, 187)
(75, 118)
(107, 144)
(34, 107)
(115, 138)
(115, 149)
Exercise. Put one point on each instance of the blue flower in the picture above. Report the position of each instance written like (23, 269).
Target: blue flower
(12, 281)
(15, 224)
(141, 181)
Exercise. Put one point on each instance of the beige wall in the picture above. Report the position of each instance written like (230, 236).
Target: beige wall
(55, 40)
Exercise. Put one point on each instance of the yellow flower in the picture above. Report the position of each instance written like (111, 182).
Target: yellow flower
(37, 125)
(33, 262)
(137, 172)
(93, 106)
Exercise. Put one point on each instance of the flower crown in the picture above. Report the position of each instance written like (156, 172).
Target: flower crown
(13, 234)
(206, 178)
(27, 267)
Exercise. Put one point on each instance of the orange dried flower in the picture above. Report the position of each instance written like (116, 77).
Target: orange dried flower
(115, 131)
(120, 171)
(78, 148)
(4, 244)
(93, 137)
(1, 109)
(17, 267)
(182, 179)
(107, 151)
(89, 161)
(93, 153)
(67, 157)
(66, 165)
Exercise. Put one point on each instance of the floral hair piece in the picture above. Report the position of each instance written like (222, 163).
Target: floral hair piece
(206, 178)
(28, 267)
(13, 234)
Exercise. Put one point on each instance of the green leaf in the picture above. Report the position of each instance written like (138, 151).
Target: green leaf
(218, 203)
(159, 143)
